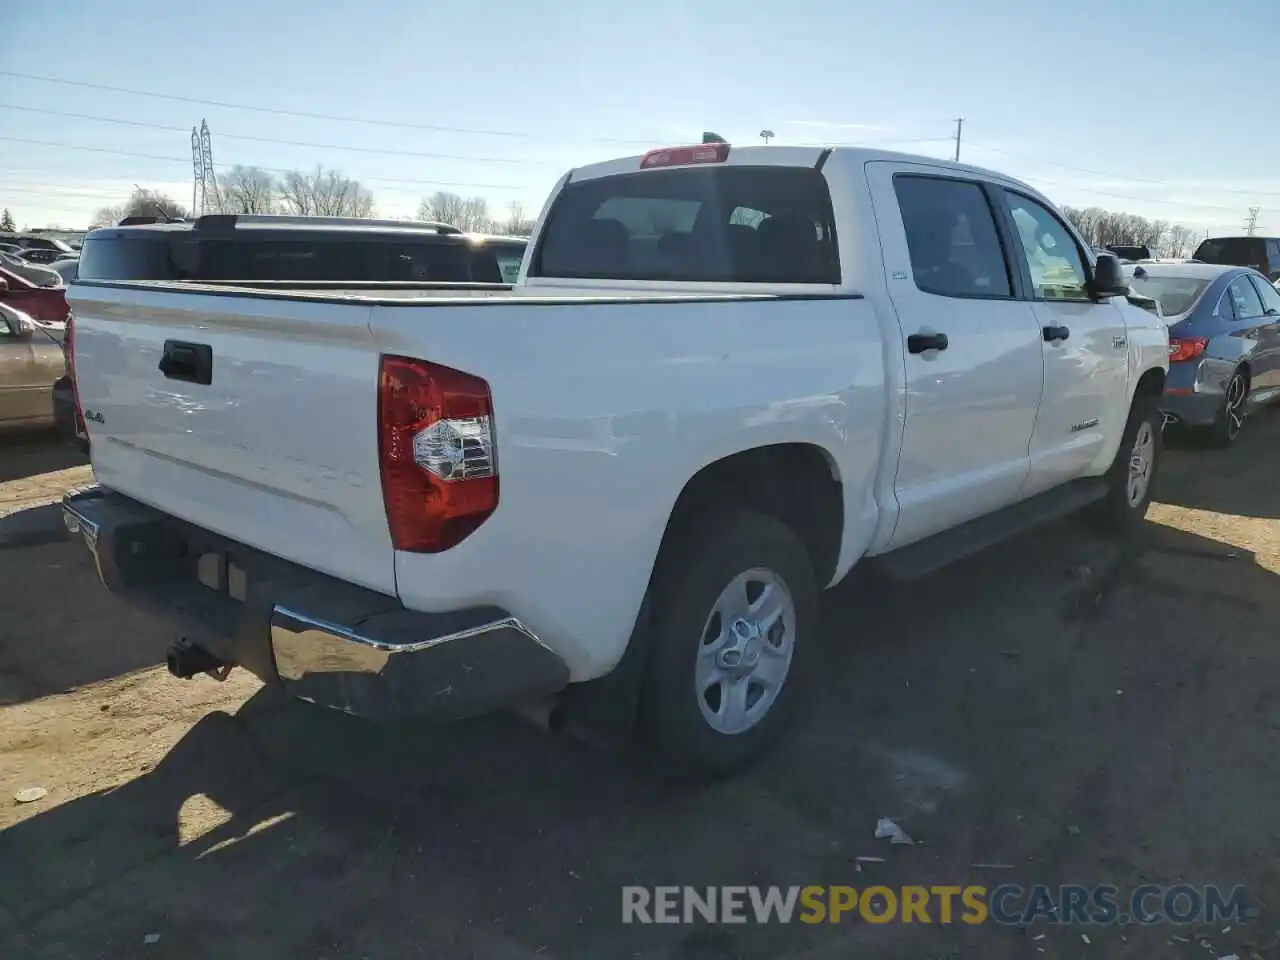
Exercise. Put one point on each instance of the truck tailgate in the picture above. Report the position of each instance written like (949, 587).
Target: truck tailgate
(273, 444)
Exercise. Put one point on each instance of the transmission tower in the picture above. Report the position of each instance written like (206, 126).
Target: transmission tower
(197, 173)
(1251, 221)
(204, 184)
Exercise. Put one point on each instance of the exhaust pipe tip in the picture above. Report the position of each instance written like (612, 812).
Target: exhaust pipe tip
(185, 660)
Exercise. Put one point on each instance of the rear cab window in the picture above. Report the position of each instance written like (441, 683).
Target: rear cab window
(721, 224)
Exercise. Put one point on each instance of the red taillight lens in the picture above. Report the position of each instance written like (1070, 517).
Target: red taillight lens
(1186, 348)
(69, 351)
(436, 451)
(682, 156)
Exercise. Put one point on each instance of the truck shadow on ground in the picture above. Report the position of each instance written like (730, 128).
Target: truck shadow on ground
(60, 629)
(1240, 480)
(1053, 683)
(28, 453)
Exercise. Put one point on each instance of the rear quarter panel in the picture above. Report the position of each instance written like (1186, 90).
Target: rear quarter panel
(604, 411)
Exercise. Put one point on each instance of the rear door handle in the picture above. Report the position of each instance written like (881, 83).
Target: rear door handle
(188, 362)
(920, 342)
(1052, 334)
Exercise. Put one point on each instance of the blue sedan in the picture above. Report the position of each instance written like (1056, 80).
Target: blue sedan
(1224, 342)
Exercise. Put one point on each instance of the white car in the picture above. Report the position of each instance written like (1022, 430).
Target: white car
(724, 377)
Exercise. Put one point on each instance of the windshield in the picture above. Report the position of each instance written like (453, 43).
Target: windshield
(1174, 294)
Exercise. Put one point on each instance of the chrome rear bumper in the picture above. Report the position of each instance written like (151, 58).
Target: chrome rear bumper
(327, 641)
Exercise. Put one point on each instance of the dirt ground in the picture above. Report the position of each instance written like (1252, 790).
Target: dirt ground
(1058, 709)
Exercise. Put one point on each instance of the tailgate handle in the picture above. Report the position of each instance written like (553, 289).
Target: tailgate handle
(189, 362)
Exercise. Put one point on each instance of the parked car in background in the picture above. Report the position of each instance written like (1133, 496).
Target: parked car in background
(45, 301)
(726, 375)
(40, 255)
(34, 241)
(35, 274)
(1224, 343)
(1260, 253)
(231, 247)
(1129, 252)
(31, 359)
(67, 268)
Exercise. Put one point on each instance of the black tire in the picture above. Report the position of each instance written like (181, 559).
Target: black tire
(696, 566)
(1119, 513)
(1230, 419)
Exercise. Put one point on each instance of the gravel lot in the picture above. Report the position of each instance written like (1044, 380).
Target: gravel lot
(1071, 713)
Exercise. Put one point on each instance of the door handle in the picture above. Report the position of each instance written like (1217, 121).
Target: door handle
(188, 362)
(1052, 333)
(920, 342)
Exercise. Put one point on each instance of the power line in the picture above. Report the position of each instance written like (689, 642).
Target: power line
(293, 143)
(1117, 176)
(186, 161)
(297, 113)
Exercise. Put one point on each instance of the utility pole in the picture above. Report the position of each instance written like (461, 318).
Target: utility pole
(959, 127)
(1251, 221)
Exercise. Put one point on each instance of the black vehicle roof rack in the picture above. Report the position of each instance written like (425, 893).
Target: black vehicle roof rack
(224, 221)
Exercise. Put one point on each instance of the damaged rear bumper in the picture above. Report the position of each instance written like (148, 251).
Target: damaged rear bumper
(325, 640)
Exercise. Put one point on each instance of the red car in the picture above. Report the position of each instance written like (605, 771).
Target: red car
(22, 289)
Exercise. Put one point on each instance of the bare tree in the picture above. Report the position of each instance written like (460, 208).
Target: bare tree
(247, 190)
(324, 193)
(475, 216)
(1178, 243)
(106, 216)
(466, 213)
(294, 190)
(443, 207)
(153, 203)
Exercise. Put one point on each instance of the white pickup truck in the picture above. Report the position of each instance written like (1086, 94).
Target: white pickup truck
(724, 377)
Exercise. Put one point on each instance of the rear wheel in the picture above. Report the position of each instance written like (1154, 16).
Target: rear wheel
(1230, 420)
(735, 619)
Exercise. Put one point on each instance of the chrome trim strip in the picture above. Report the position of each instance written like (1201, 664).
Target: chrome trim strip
(339, 632)
(306, 646)
(75, 520)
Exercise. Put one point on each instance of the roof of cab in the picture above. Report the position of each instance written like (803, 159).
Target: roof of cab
(786, 156)
(1191, 271)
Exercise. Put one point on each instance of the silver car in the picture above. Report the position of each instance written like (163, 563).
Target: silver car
(31, 359)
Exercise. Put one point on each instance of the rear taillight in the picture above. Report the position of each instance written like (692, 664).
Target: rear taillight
(436, 451)
(1186, 348)
(69, 352)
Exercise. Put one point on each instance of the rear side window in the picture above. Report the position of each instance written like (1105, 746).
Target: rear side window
(951, 235)
(1245, 299)
(700, 224)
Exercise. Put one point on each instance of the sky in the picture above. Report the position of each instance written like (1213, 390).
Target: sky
(1141, 107)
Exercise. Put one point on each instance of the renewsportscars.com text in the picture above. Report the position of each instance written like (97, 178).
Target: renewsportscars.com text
(1005, 905)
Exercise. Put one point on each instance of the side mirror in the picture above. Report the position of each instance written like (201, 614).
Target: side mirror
(1108, 279)
(4, 285)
